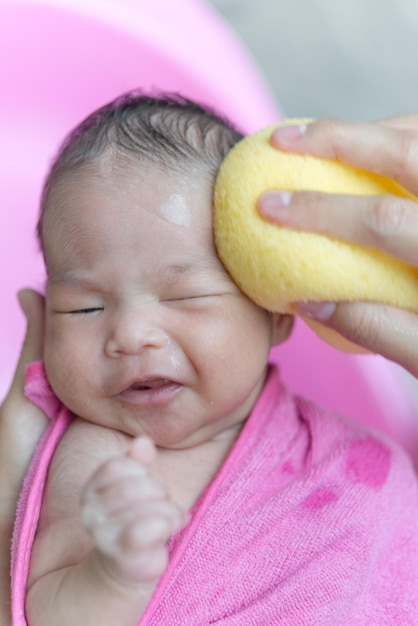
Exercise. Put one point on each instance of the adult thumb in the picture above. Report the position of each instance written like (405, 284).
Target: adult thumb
(32, 305)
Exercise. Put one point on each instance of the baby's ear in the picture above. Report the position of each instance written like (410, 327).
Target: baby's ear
(282, 327)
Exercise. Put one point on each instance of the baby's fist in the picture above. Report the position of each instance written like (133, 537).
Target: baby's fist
(130, 517)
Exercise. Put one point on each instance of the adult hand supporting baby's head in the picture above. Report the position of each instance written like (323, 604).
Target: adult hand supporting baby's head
(388, 223)
(21, 422)
(21, 425)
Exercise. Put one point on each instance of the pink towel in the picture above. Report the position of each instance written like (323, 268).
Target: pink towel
(38, 390)
(310, 521)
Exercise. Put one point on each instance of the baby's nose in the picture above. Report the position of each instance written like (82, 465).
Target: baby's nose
(134, 333)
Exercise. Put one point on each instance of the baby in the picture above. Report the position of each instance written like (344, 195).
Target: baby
(184, 484)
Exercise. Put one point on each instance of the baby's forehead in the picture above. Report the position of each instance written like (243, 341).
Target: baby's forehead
(119, 169)
(121, 173)
(134, 192)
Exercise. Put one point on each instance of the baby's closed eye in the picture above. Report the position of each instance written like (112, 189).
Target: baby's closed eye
(85, 311)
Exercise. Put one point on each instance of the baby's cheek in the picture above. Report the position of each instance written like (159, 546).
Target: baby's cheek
(53, 352)
(64, 364)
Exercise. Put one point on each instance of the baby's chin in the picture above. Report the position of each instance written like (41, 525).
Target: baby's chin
(164, 425)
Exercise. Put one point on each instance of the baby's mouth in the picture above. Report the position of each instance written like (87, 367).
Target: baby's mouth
(150, 392)
(149, 384)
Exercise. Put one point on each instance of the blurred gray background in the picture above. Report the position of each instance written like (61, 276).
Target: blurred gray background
(355, 59)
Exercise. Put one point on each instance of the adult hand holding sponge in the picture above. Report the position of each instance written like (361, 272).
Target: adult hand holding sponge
(277, 266)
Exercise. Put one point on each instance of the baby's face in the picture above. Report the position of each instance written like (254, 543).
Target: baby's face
(145, 331)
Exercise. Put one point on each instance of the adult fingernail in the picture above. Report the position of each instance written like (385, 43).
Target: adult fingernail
(285, 134)
(271, 202)
(320, 311)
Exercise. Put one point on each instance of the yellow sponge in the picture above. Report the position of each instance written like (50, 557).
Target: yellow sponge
(276, 266)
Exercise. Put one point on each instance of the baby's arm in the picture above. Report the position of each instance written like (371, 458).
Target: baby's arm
(130, 519)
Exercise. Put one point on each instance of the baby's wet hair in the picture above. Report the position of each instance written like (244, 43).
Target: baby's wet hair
(167, 130)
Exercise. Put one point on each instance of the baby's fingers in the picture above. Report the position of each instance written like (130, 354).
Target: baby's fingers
(124, 495)
(115, 471)
(143, 450)
(131, 544)
(133, 466)
(389, 223)
(131, 528)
